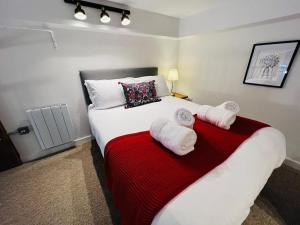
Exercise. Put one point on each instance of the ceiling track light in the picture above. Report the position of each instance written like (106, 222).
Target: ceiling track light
(79, 12)
(104, 16)
(125, 21)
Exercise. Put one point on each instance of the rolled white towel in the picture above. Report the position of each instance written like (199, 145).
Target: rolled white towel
(201, 113)
(180, 140)
(231, 106)
(222, 118)
(184, 118)
(217, 116)
(156, 127)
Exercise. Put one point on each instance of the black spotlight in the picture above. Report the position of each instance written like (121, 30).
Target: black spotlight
(104, 17)
(125, 21)
(79, 12)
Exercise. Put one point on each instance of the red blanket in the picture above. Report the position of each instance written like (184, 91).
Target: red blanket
(143, 176)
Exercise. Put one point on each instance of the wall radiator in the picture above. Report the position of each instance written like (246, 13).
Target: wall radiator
(52, 125)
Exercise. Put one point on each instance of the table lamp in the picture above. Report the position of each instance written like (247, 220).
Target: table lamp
(173, 76)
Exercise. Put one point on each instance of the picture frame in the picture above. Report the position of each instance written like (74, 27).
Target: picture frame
(270, 63)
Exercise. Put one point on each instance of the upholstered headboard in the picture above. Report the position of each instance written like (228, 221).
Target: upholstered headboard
(113, 74)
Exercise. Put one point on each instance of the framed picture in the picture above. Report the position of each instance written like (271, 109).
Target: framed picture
(270, 63)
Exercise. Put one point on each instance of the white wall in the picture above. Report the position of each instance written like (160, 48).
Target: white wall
(237, 13)
(212, 67)
(33, 74)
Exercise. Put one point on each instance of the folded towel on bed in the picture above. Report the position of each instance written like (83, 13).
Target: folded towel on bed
(180, 140)
(220, 117)
(156, 128)
(231, 106)
(202, 111)
(184, 118)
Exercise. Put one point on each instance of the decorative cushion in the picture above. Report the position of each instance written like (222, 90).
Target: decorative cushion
(160, 84)
(137, 94)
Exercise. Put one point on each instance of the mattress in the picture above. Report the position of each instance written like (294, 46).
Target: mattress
(224, 195)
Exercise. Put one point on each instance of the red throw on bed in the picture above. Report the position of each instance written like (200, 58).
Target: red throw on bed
(143, 176)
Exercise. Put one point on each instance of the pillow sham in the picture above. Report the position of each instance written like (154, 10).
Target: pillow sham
(160, 84)
(137, 94)
(106, 94)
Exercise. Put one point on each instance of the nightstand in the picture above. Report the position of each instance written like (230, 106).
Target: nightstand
(178, 95)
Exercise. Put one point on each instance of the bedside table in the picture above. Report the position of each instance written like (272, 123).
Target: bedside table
(178, 95)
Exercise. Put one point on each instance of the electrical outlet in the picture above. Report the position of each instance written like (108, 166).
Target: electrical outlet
(23, 130)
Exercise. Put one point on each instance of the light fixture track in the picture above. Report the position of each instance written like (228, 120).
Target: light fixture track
(99, 6)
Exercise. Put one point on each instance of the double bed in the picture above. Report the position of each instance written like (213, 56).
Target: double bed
(222, 196)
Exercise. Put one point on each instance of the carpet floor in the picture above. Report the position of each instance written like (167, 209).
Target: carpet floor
(67, 188)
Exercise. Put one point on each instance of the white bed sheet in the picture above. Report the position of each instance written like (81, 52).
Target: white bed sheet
(221, 197)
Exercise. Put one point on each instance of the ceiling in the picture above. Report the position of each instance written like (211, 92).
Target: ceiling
(175, 8)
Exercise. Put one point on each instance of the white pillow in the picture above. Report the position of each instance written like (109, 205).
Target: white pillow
(107, 93)
(160, 84)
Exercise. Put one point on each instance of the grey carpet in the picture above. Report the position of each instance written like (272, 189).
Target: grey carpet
(68, 188)
(283, 192)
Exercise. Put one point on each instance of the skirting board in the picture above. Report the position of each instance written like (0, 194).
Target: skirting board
(292, 163)
(83, 140)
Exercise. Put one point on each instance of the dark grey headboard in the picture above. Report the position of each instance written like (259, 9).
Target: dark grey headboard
(113, 74)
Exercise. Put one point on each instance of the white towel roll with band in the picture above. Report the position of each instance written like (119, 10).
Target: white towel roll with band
(184, 118)
(231, 106)
(222, 118)
(156, 128)
(178, 139)
(217, 116)
(202, 111)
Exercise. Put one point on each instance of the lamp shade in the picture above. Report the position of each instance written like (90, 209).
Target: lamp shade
(173, 75)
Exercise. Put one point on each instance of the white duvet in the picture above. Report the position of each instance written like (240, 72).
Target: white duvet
(223, 196)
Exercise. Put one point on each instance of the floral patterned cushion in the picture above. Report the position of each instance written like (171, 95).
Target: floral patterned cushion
(139, 93)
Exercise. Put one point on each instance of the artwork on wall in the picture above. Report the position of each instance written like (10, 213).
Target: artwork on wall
(270, 63)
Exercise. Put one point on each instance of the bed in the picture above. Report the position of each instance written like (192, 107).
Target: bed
(241, 177)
